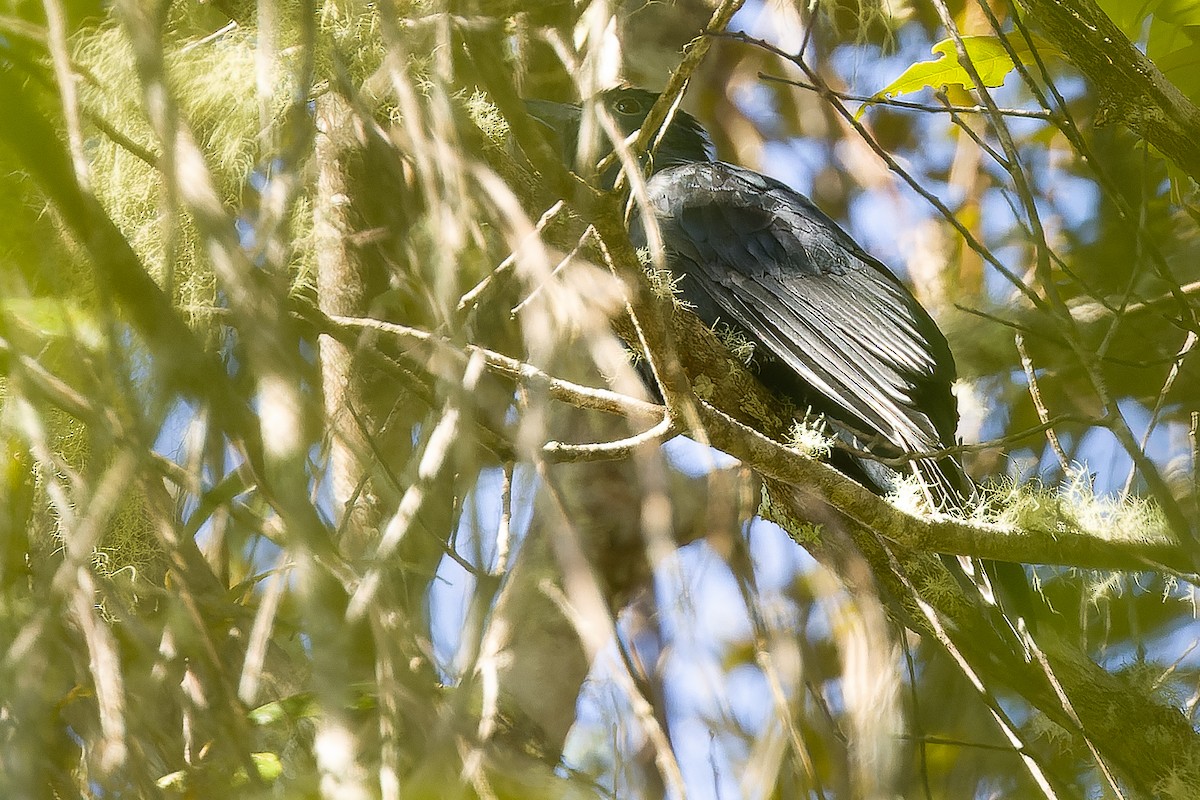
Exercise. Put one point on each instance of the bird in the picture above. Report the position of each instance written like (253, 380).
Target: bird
(834, 331)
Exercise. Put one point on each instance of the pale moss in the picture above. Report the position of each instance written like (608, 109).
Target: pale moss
(663, 282)
(735, 342)
(304, 252)
(1099, 584)
(1149, 679)
(215, 86)
(68, 438)
(1075, 509)
(214, 82)
(1043, 727)
(754, 408)
(1181, 780)
(703, 387)
(810, 436)
(353, 29)
(127, 554)
(487, 117)
(870, 18)
(910, 495)
(937, 585)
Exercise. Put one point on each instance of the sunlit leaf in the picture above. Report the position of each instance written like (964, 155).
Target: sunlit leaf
(53, 318)
(1127, 14)
(293, 707)
(1175, 49)
(987, 54)
(1179, 12)
(268, 765)
(173, 781)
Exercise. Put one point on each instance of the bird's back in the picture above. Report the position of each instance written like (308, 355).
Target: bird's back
(834, 331)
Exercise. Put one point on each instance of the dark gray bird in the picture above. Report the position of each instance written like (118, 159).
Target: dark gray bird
(834, 331)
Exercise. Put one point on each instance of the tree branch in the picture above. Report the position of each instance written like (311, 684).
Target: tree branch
(1059, 542)
(1132, 89)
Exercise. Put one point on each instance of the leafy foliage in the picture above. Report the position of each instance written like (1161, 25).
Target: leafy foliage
(327, 472)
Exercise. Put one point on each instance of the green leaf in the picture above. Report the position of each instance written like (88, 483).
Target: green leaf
(1179, 12)
(268, 765)
(173, 781)
(1182, 66)
(1176, 51)
(53, 318)
(987, 53)
(296, 706)
(1128, 14)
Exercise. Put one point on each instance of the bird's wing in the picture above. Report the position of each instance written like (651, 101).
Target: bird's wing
(759, 254)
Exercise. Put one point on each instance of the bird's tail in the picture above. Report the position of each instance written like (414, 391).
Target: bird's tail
(1003, 585)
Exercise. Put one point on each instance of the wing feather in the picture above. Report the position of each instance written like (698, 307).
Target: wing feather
(753, 251)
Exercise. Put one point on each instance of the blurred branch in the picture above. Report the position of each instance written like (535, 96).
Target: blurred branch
(677, 83)
(341, 289)
(1043, 413)
(869, 521)
(472, 296)
(603, 451)
(599, 529)
(434, 460)
(1128, 725)
(1059, 314)
(1068, 126)
(802, 490)
(56, 24)
(573, 393)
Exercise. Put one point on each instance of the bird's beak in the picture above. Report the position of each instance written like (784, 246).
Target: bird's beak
(557, 117)
(560, 123)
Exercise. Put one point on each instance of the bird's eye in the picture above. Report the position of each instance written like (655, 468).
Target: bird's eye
(628, 106)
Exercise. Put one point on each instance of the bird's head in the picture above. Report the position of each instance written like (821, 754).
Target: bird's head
(685, 139)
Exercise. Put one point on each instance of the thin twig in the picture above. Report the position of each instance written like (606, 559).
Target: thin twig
(1069, 708)
(582, 602)
(433, 461)
(557, 269)
(56, 24)
(1155, 414)
(921, 740)
(260, 631)
(580, 396)
(558, 452)
(785, 464)
(972, 134)
(1001, 718)
(504, 528)
(1043, 414)
(892, 102)
(958, 450)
